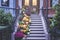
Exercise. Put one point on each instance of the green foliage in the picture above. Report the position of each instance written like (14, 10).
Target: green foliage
(57, 16)
(5, 18)
(55, 21)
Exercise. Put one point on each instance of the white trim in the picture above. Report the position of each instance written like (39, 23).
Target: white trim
(41, 5)
(0, 2)
(20, 3)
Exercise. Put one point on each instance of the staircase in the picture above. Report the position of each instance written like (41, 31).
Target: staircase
(37, 30)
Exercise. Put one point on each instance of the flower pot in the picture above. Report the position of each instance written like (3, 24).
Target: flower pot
(3, 27)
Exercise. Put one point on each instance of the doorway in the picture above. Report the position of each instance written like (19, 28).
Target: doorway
(31, 5)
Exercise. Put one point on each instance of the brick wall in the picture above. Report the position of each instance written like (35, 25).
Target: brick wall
(50, 10)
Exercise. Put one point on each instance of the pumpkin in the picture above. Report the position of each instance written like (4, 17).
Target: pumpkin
(21, 25)
(27, 23)
(26, 30)
(24, 26)
(26, 19)
(30, 20)
(23, 31)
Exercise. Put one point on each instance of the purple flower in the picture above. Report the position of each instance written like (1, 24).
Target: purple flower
(19, 34)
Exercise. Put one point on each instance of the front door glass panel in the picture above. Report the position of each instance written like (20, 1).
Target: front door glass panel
(26, 2)
(34, 2)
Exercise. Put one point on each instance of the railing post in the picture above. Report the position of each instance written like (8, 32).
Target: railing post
(47, 14)
(47, 10)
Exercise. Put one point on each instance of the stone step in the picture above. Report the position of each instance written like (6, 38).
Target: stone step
(36, 29)
(36, 35)
(36, 17)
(36, 38)
(37, 32)
(36, 20)
(36, 24)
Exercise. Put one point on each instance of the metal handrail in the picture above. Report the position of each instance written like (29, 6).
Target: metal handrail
(46, 18)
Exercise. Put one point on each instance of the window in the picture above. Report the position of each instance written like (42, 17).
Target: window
(50, 3)
(26, 3)
(34, 2)
(53, 2)
(5, 2)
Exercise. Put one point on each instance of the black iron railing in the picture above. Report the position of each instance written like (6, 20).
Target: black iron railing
(45, 15)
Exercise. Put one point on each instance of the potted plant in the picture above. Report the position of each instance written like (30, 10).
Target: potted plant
(5, 18)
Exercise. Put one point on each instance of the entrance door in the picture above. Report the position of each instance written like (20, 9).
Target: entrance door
(31, 5)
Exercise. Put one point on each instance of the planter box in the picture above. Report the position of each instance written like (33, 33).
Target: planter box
(5, 33)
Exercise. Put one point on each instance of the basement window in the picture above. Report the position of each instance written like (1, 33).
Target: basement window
(5, 2)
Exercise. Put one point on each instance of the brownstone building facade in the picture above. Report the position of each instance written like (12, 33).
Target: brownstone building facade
(31, 4)
(51, 11)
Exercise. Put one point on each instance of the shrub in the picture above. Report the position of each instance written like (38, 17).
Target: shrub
(5, 18)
